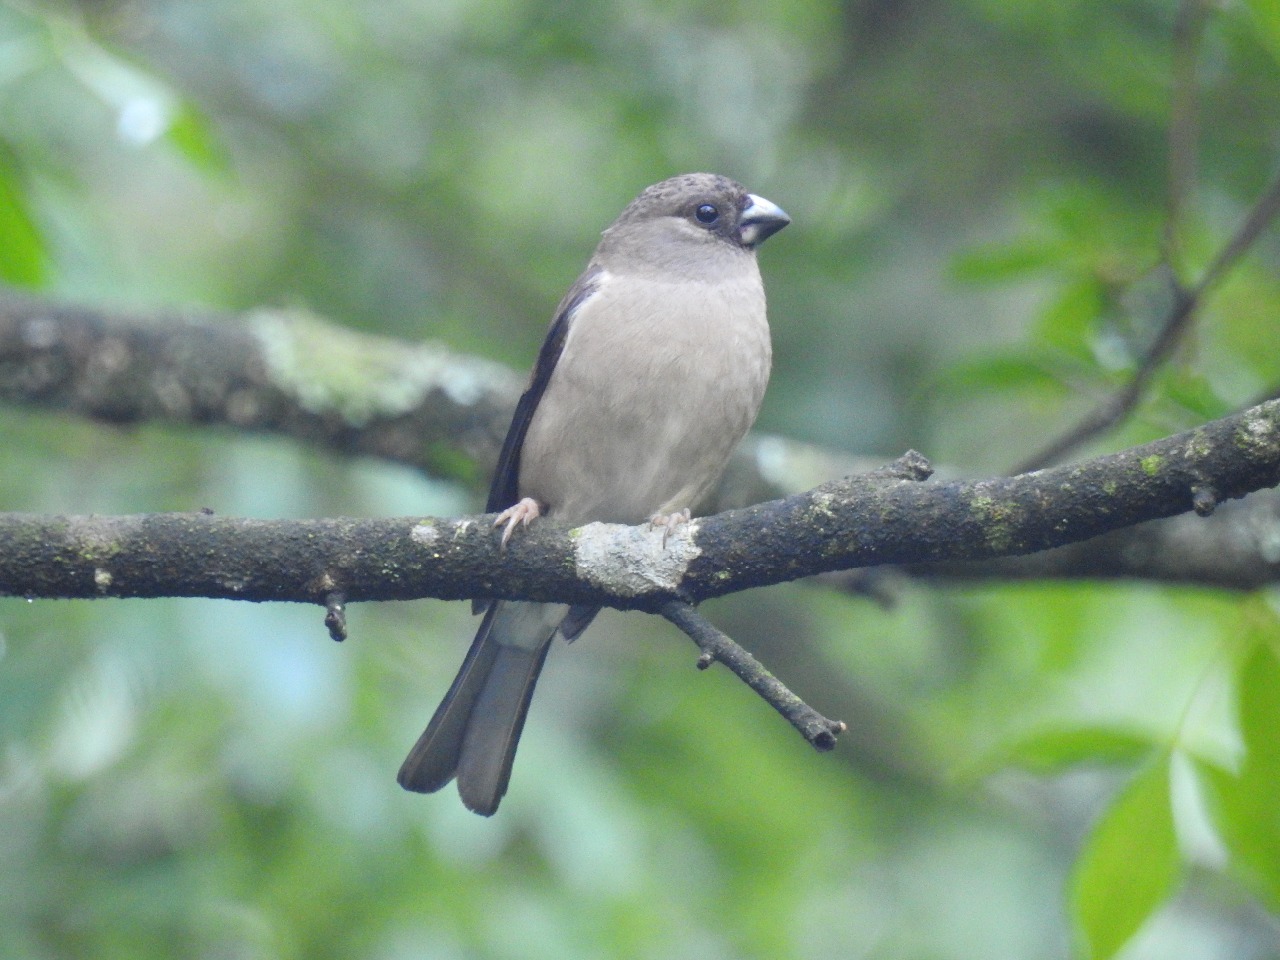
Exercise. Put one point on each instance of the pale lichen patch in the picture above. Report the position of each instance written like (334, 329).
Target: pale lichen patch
(425, 534)
(1257, 432)
(363, 377)
(825, 504)
(632, 561)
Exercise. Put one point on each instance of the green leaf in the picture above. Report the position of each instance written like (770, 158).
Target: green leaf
(1051, 750)
(22, 254)
(1195, 394)
(1266, 19)
(1247, 806)
(1129, 865)
(1260, 714)
(189, 132)
(1071, 320)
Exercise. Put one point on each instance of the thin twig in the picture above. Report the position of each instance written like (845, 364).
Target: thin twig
(1186, 303)
(1184, 126)
(1112, 410)
(1184, 123)
(715, 645)
(1263, 212)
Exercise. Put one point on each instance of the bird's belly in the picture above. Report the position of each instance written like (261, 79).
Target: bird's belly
(652, 432)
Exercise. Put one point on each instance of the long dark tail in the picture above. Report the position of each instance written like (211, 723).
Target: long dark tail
(476, 728)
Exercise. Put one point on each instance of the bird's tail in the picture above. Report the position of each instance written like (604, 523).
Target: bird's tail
(476, 728)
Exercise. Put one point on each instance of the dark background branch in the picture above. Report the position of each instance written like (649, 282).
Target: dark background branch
(1238, 548)
(293, 374)
(277, 371)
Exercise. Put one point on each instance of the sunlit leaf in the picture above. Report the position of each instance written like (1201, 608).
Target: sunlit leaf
(1266, 20)
(190, 133)
(1195, 394)
(1129, 865)
(1248, 805)
(1051, 750)
(1070, 321)
(22, 253)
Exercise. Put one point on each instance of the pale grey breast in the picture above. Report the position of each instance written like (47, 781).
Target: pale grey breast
(640, 417)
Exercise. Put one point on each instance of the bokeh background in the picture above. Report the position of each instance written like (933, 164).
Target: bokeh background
(979, 195)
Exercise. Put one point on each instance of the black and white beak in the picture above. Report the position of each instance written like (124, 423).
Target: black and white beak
(760, 220)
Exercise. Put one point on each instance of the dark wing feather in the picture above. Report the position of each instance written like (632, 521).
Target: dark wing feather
(505, 489)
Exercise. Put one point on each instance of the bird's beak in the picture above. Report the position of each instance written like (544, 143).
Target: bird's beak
(760, 220)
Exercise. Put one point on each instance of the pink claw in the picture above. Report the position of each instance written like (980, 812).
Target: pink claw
(518, 514)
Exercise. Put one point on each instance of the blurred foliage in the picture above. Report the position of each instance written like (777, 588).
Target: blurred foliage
(1132, 850)
(980, 201)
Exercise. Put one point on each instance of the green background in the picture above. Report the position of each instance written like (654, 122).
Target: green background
(979, 196)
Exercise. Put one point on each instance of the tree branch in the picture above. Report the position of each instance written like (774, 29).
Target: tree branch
(1184, 125)
(421, 405)
(888, 516)
(858, 521)
(277, 371)
(1238, 548)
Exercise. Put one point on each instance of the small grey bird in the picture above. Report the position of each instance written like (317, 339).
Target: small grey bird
(652, 371)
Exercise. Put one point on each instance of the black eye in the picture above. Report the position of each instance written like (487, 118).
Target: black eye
(707, 213)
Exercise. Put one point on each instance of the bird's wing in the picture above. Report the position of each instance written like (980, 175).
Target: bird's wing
(506, 477)
(505, 489)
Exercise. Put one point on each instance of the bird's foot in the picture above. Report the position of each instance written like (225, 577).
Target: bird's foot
(517, 515)
(669, 522)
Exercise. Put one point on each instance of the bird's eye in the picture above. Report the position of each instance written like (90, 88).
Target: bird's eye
(707, 213)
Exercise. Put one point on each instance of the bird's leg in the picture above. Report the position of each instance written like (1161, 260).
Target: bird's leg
(669, 521)
(518, 514)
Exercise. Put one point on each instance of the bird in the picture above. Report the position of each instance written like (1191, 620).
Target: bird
(653, 369)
